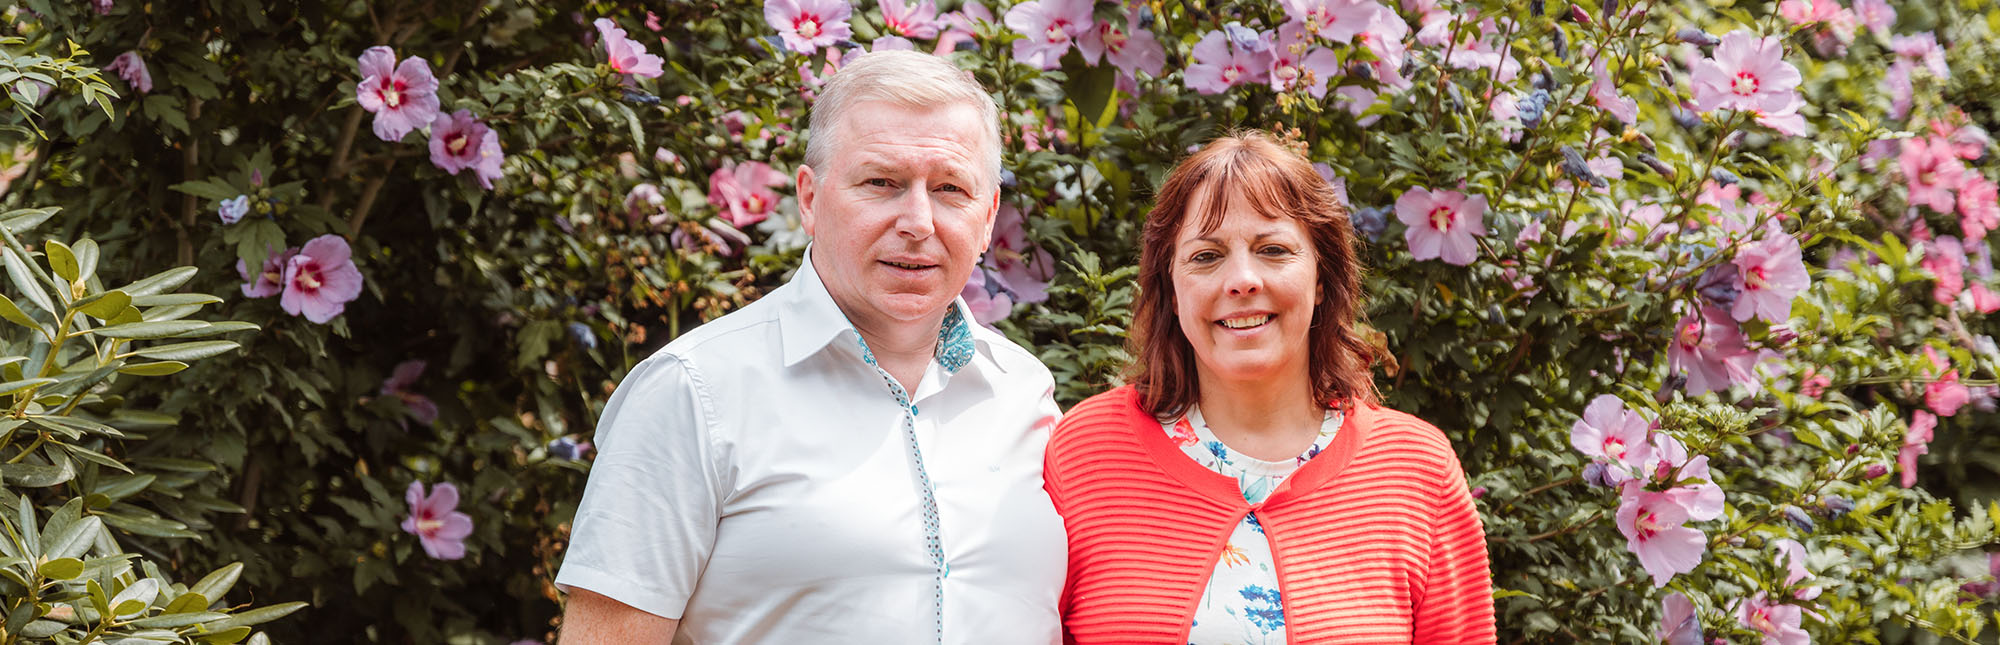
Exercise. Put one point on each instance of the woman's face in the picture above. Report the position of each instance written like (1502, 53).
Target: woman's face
(1245, 294)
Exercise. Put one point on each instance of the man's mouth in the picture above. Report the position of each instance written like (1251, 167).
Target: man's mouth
(909, 266)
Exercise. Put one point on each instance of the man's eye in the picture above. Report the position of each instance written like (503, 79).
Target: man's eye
(950, 188)
(877, 182)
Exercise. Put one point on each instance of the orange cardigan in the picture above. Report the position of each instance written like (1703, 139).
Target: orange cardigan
(1375, 539)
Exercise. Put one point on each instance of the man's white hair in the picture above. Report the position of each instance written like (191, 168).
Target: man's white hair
(908, 78)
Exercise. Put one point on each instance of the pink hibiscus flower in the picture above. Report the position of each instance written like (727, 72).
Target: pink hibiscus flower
(988, 303)
(1652, 525)
(1442, 224)
(627, 56)
(398, 385)
(1384, 38)
(1334, 20)
(1876, 15)
(403, 96)
(1129, 48)
(910, 21)
(743, 191)
(1746, 73)
(1924, 48)
(320, 280)
(1916, 442)
(807, 25)
(1945, 394)
(1793, 556)
(1678, 623)
(1220, 63)
(1770, 274)
(1932, 170)
(130, 67)
(1978, 206)
(460, 142)
(1048, 28)
(1814, 384)
(1604, 92)
(1020, 268)
(436, 522)
(1778, 622)
(270, 279)
(1946, 261)
(1288, 69)
(1708, 348)
(961, 26)
(1611, 431)
(1670, 463)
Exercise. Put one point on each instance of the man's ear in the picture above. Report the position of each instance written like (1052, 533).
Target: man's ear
(992, 217)
(808, 189)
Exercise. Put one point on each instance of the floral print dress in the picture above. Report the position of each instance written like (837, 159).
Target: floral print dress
(1241, 606)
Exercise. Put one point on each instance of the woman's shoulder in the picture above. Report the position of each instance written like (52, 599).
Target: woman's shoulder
(1111, 411)
(1392, 429)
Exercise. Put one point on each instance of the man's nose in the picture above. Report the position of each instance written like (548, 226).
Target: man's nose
(914, 213)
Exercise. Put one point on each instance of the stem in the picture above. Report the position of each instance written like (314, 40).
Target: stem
(1567, 529)
(368, 195)
(40, 437)
(1549, 486)
(190, 205)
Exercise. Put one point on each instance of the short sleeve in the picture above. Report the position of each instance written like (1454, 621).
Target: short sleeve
(648, 520)
(1457, 603)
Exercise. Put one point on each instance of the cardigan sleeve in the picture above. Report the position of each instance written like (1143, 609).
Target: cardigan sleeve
(1457, 602)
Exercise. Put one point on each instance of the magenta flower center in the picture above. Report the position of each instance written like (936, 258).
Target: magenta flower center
(1690, 336)
(456, 142)
(429, 525)
(1441, 217)
(309, 278)
(755, 204)
(1745, 84)
(274, 276)
(1287, 74)
(1647, 524)
(1614, 448)
(1756, 278)
(1760, 619)
(1114, 39)
(1231, 73)
(807, 25)
(1056, 33)
(392, 95)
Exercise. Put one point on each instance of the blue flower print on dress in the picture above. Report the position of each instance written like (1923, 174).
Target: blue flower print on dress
(1265, 609)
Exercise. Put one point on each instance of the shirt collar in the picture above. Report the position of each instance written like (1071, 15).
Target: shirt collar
(811, 321)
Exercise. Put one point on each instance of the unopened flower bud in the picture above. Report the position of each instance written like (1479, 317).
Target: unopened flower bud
(1562, 44)
(1478, 492)
(1668, 386)
(1687, 118)
(1735, 139)
(1838, 506)
(1875, 471)
(1577, 14)
(1535, 8)
(1853, 449)
(1609, 8)
(1544, 81)
(1574, 166)
(1593, 474)
(1781, 335)
(1658, 166)
(1799, 518)
(1724, 177)
(1693, 36)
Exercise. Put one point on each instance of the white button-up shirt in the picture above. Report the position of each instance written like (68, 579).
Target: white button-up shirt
(754, 481)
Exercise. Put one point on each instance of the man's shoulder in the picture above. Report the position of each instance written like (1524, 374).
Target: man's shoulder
(1014, 360)
(737, 335)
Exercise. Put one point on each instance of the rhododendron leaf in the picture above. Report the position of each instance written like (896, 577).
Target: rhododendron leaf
(74, 539)
(160, 329)
(258, 616)
(217, 583)
(13, 313)
(129, 315)
(117, 487)
(11, 387)
(188, 351)
(205, 189)
(167, 299)
(226, 636)
(179, 618)
(62, 260)
(17, 221)
(23, 276)
(61, 569)
(105, 306)
(158, 283)
(86, 258)
(36, 476)
(221, 327)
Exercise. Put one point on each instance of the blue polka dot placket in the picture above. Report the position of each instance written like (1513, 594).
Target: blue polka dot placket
(954, 350)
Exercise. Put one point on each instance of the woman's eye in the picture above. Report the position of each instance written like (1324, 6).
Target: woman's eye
(1204, 257)
(1276, 250)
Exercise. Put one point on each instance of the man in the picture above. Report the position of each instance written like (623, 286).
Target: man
(849, 459)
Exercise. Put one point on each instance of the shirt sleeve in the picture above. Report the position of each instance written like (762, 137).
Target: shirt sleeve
(1457, 604)
(647, 523)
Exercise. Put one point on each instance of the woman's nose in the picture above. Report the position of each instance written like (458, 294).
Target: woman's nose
(1243, 279)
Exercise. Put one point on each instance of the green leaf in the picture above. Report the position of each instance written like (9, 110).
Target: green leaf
(23, 276)
(135, 598)
(259, 615)
(61, 569)
(219, 327)
(86, 258)
(106, 306)
(226, 636)
(159, 329)
(20, 221)
(182, 618)
(190, 602)
(217, 583)
(175, 299)
(13, 313)
(256, 239)
(76, 538)
(161, 368)
(158, 283)
(215, 190)
(188, 351)
(36, 475)
(63, 261)
(11, 387)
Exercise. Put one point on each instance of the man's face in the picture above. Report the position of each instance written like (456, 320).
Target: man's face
(901, 211)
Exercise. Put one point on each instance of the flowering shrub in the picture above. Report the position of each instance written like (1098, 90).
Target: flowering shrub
(1685, 283)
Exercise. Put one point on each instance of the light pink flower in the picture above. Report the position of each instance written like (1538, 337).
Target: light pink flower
(1770, 274)
(1129, 48)
(1678, 623)
(988, 303)
(403, 96)
(321, 279)
(1048, 28)
(1968, 139)
(1442, 224)
(1779, 623)
(1924, 48)
(1902, 93)
(743, 191)
(1944, 394)
(1334, 20)
(132, 68)
(1984, 300)
(1652, 525)
(1746, 73)
(1812, 12)
(627, 56)
(1978, 206)
(269, 280)
(1793, 556)
(1019, 267)
(1611, 431)
(1786, 120)
(1946, 261)
(1876, 15)
(1476, 52)
(1932, 170)
(1604, 92)
(1814, 384)
(961, 26)
(1219, 63)
(807, 25)
(1670, 464)
(1384, 37)
(1506, 111)
(1708, 348)
(1916, 442)
(910, 21)
(459, 142)
(436, 522)
(1287, 69)
(398, 385)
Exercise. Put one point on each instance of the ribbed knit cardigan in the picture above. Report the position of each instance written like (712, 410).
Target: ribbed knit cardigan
(1375, 539)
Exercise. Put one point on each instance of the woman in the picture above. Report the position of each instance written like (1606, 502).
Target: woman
(1246, 487)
